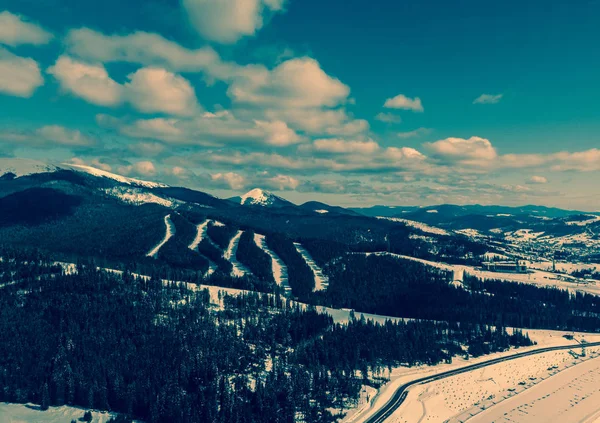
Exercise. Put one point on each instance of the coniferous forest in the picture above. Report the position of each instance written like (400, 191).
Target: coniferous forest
(163, 351)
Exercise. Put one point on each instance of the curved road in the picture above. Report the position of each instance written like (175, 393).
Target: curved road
(400, 395)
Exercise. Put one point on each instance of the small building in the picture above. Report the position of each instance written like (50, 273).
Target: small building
(516, 266)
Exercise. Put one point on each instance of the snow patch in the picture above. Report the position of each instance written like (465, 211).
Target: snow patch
(418, 225)
(238, 269)
(137, 196)
(322, 211)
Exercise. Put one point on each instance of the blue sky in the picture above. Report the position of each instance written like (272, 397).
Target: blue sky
(345, 101)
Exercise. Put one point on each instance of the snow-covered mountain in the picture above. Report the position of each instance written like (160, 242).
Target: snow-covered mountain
(104, 174)
(15, 168)
(260, 197)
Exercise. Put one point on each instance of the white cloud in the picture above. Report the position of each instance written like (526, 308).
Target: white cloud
(19, 76)
(48, 136)
(153, 90)
(14, 31)
(208, 129)
(538, 180)
(415, 133)
(281, 183)
(90, 82)
(227, 21)
(488, 99)
(474, 151)
(337, 145)
(231, 180)
(583, 161)
(295, 83)
(149, 90)
(403, 102)
(142, 168)
(388, 118)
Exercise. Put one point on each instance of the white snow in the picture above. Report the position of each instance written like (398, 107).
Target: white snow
(418, 225)
(474, 233)
(322, 211)
(321, 281)
(169, 232)
(123, 179)
(137, 196)
(24, 167)
(238, 269)
(30, 413)
(522, 235)
(259, 197)
(432, 211)
(200, 235)
(441, 400)
(280, 272)
(592, 219)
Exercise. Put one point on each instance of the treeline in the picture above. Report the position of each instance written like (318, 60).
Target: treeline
(300, 275)
(162, 353)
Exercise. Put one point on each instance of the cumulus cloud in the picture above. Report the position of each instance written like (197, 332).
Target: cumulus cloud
(474, 151)
(337, 145)
(49, 136)
(281, 183)
(141, 168)
(15, 30)
(89, 82)
(405, 103)
(19, 76)
(488, 99)
(227, 21)
(538, 180)
(153, 90)
(584, 161)
(295, 83)
(209, 129)
(149, 90)
(229, 180)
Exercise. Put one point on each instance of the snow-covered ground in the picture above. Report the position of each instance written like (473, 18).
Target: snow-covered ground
(280, 271)
(418, 225)
(122, 179)
(458, 271)
(570, 396)
(169, 232)
(321, 281)
(592, 219)
(30, 413)
(23, 167)
(137, 196)
(564, 267)
(239, 269)
(441, 400)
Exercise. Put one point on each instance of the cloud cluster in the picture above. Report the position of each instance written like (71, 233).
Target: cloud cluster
(226, 21)
(15, 30)
(405, 103)
(488, 99)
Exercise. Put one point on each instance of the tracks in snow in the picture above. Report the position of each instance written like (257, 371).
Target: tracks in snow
(279, 269)
(170, 231)
(321, 281)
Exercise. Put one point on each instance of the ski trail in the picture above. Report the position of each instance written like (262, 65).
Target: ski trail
(321, 281)
(200, 235)
(238, 268)
(280, 271)
(168, 234)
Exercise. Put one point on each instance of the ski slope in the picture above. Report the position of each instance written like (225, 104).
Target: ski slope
(280, 271)
(321, 281)
(169, 232)
(30, 413)
(239, 269)
(200, 235)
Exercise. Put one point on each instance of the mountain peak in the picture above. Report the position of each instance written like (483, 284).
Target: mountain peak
(122, 179)
(23, 167)
(261, 197)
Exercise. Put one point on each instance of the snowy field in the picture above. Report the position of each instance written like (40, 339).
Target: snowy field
(321, 281)
(418, 225)
(441, 400)
(169, 232)
(29, 413)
